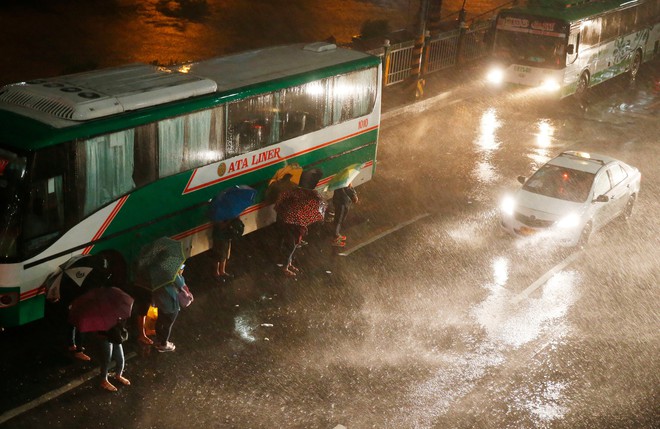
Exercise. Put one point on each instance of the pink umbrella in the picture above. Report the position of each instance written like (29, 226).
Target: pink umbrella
(100, 309)
(300, 206)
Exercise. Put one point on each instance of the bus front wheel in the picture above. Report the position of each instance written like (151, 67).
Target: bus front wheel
(582, 85)
(634, 65)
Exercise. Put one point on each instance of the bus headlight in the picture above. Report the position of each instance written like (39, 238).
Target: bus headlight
(508, 205)
(550, 85)
(495, 76)
(570, 221)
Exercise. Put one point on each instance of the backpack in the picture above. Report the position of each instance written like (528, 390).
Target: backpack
(235, 228)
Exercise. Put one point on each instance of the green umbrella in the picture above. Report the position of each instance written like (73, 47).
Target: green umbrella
(344, 177)
(160, 262)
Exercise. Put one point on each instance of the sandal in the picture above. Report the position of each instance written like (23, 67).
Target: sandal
(289, 273)
(146, 340)
(105, 384)
(82, 356)
(123, 380)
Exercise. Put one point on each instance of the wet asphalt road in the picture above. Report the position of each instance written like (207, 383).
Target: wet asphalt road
(431, 318)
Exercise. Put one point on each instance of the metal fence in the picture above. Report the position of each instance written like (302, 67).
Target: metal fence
(476, 41)
(441, 51)
(398, 62)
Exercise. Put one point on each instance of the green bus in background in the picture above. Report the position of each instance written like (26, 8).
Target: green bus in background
(566, 46)
(104, 162)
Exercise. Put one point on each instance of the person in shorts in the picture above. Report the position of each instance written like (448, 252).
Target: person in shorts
(223, 233)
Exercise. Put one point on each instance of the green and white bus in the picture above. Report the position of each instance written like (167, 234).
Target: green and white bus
(105, 161)
(567, 46)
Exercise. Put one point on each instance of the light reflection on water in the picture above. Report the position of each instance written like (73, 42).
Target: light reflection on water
(98, 33)
(515, 323)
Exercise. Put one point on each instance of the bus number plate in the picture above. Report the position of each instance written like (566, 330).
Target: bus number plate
(522, 69)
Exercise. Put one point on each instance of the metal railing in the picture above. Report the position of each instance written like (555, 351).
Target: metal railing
(442, 51)
(472, 40)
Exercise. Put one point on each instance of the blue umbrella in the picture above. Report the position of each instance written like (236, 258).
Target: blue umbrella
(229, 203)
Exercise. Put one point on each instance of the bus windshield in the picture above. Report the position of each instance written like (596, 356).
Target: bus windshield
(12, 173)
(530, 49)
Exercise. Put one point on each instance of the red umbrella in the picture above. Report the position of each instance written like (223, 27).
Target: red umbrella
(100, 309)
(300, 206)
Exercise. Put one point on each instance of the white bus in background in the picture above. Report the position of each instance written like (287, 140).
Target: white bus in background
(567, 46)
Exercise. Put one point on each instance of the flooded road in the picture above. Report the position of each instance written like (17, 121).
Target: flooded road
(433, 318)
(42, 38)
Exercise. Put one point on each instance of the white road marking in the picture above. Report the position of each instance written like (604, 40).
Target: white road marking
(55, 393)
(547, 276)
(383, 234)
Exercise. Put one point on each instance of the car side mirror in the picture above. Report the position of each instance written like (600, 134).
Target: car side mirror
(522, 179)
(602, 199)
(569, 49)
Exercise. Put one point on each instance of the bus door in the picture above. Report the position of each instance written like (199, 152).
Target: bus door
(573, 46)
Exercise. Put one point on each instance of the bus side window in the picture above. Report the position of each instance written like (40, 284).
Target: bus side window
(44, 217)
(145, 154)
(106, 164)
(45, 211)
(250, 124)
(355, 95)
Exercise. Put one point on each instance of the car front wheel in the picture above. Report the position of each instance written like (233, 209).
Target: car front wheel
(628, 210)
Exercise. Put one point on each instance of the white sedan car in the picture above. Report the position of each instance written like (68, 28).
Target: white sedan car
(571, 196)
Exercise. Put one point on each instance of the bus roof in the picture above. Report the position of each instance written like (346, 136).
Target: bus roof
(569, 10)
(45, 111)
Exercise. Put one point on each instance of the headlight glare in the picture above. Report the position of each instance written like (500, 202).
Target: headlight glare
(570, 221)
(495, 76)
(508, 205)
(550, 85)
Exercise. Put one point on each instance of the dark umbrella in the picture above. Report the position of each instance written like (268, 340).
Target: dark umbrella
(229, 203)
(300, 207)
(99, 309)
(160, 262)
(75, 277)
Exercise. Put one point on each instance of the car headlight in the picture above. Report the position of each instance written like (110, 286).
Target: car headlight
(508, 205)
(495, 76)
(550, 85)
(570, 221)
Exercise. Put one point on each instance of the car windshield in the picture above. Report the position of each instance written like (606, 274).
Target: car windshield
(560, 182)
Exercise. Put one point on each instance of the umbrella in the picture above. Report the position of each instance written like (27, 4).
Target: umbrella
(229, 203)
(300, 207)
(75, 277)
(159, 262)
(100, 309)
(275, 189)
(345, 177)
(295, 170)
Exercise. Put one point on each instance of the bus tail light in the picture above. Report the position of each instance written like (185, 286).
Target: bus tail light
(9, 299)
